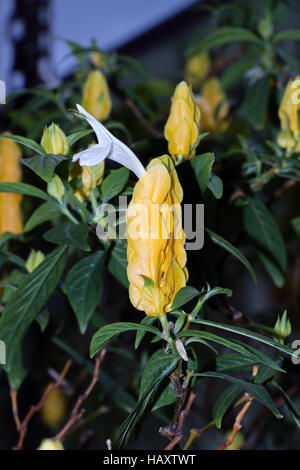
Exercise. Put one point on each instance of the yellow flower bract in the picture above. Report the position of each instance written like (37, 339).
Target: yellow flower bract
(156, 239)
(182, 127)
(96, 99)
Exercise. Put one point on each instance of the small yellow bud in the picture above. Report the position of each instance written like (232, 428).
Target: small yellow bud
(54, 140)
(10, 171)
(53, 410)
(92, 176)
(48, 444)
(56, 188)
(182, 127)
(237, 442)
(98, 58)
(34, 259)
(213, 106)
(289, 137)
(96, 99)
(197, 67)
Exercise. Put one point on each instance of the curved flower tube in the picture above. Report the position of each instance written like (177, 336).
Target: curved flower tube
(156, 254)
(108, 147)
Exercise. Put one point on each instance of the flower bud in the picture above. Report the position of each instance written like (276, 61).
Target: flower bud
(156, 254)
(197, 67)
(49, 444)
(96, 99)
(10, 171)
(283, 326)
(53, 410)
(289, 136)
(54, 140)
(213, 106)
(92, 176)
(34, 259)
(182, 127)
(56, 188)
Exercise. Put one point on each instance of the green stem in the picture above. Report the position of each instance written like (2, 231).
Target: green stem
(68, 214)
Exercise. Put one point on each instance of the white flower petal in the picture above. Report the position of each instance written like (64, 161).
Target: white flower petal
(111, 146)
(101, 132)
(123, 155)
(93, 155)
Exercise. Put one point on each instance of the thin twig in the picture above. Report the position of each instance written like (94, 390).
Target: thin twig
(237, 424)
(77, 412)
(23, 425)
(130, 103)
(182, 417)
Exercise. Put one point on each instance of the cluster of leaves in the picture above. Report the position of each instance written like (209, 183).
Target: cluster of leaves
(242, 184)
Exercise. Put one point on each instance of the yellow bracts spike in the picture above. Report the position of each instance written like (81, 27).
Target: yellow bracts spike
(96, 98)
(10, 171)
(182, 127)
(289, 136)
(213, 106)
(156, 239)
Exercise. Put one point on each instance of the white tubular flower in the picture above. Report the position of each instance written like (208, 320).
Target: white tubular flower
(108, 147)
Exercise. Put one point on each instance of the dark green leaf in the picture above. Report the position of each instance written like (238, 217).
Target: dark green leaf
(185, 294)
(258, 391)
(43, 165)
(202, 165)
(43, 213)
(108, 332)
(24, 188)
(155, 366)
(118, 263)
(83, 287)
(114, 183)
(220, 241)
(290, 34)
(256, 102)
(30, 297)
(215, 185)
(72, 138)
(69, 234)
(141, 333)
(263, 229)
(223, 403)
(24, 141)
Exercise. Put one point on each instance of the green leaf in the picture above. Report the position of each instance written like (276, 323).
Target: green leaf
(265, 373)
(202, 165)
(24, 141)
(291, 34)
(118, 263)
(114, 183)
(43, 165)
(215, 185)
(258, 391)
(242, 348)
(249, 334)
(220, 241)
(141, 333)
(263, 229)
(223, 403)
(235, 72)
(20, 366)
(155, 366)
(272, 268)
(108, 332)
(294, 412)
(24, 188)
(185, 294)
(29, 298)
(83, 287)
(256, 102)
(167, 397)
(143, 406)
(75, 136)
(226, 35)
(43, 213)
(296, 225)
(69, 234)
(235, 362)
(43, 319)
